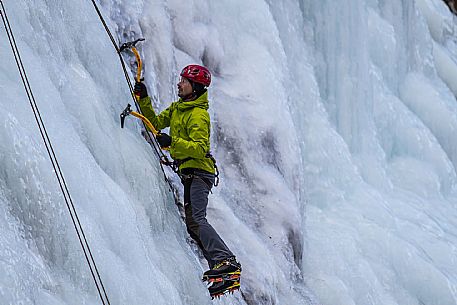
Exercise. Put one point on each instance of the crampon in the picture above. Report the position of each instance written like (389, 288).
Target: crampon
(216, 290)
(220, 285)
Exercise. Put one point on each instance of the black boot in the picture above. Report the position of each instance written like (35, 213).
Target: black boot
(228, 269)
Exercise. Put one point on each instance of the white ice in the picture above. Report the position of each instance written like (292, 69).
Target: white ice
(333, 126)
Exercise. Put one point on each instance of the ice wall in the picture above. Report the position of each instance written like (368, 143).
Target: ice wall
(333, 126)
(135, 231)
(381, 173)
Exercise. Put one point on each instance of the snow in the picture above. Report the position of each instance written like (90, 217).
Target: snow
(333, 126)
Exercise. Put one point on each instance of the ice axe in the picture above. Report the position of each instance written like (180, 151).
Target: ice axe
(128, 111)
(131, 46)
(125, 113)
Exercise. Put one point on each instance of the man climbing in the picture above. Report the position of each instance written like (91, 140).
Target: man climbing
(189, 146)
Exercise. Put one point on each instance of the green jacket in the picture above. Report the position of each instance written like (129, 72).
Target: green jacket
(189, 129)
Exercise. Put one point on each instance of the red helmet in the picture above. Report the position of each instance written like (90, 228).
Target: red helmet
(197, 74)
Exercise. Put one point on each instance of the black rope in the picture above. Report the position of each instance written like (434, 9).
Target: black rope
(162, 157)
(57, 170)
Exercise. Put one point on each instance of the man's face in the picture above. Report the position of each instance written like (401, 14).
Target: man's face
(184, 87)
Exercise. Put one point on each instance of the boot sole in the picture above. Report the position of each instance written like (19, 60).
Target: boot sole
(221, 277)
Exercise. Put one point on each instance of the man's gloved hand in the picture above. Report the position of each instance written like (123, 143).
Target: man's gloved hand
(163, 139)
(140, 90)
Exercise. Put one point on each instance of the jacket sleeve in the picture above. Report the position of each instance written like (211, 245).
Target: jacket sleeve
(158, 121)
(198, 129)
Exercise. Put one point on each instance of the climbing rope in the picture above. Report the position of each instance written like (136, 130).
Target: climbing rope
(57, 170)
(162, 157)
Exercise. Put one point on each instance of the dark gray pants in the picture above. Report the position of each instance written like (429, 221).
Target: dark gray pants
(196, 190)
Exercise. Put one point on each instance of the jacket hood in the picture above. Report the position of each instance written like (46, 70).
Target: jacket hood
(200, 102)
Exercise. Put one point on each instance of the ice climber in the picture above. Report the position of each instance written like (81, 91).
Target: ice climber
(189, 146)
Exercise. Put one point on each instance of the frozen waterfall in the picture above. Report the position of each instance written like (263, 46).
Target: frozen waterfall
(333, 125)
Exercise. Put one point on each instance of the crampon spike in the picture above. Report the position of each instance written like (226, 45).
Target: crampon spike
(216, 296)
(231, 290)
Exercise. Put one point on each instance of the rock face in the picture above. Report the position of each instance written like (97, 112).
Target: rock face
(452, 5)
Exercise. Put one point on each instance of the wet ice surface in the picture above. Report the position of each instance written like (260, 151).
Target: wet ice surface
(333, 125)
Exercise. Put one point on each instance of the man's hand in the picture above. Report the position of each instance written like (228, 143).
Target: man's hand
(164, 140)
(140, 90)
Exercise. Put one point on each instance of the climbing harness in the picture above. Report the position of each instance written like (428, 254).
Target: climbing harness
(216, 175)
(177, 163)
(57, 170)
